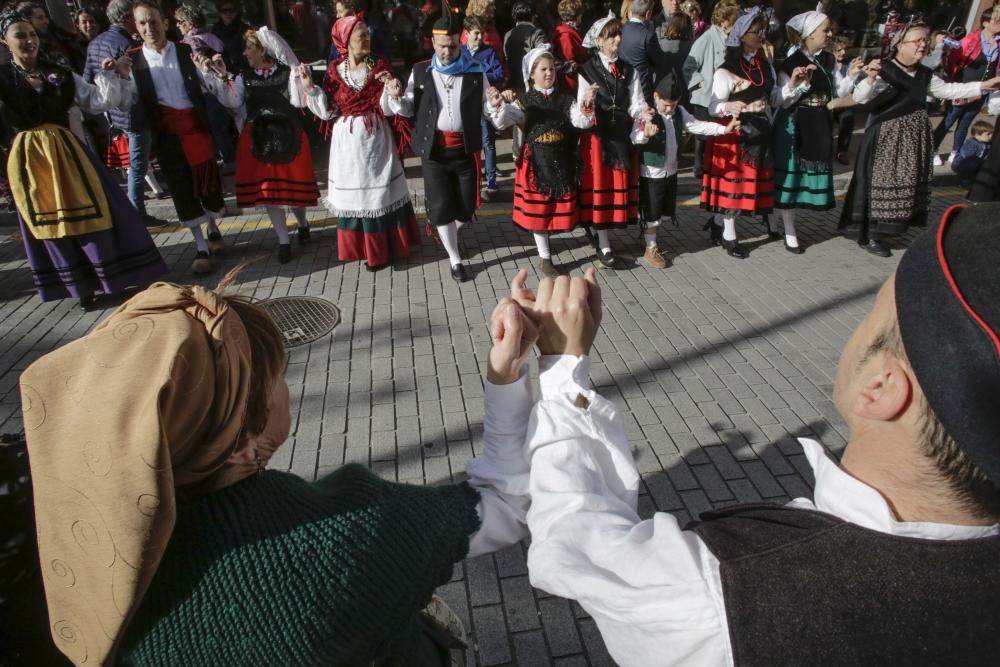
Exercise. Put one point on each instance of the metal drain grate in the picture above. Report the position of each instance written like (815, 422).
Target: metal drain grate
(302, 319)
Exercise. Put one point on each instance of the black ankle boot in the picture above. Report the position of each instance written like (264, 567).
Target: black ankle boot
(714, 231)
(734, 249)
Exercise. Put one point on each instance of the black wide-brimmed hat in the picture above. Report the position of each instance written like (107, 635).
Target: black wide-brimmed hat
(948, 305)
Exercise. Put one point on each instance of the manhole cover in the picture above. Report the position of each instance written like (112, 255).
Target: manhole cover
(302, 319)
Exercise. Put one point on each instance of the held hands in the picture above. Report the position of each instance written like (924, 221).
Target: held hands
(509, 95)
(393, 86)
(734, 126)
(991, 84)
(123, 66)
(872, 69)
(304, 75)
(855, 68)
(567, 311)
(801, 75)
(494, 97)
(734, 109)
(650, 130)
(588, 99)
(513, 335)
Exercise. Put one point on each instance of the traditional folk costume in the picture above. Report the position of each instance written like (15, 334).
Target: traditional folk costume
(547, 178)
(274, 166)
(449, 102)
(367, 193)
(171, 92)
(81, 234)
(738, 171)
(803, 134)
(609, 189)
(658, 163)
(890, 188)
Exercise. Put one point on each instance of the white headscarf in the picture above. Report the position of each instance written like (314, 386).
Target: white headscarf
(277, 47)
(529, 61)
(590, 40)
(806, 23)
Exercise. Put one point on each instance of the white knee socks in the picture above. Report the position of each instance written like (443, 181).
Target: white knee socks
(651, 228)
(280, 222)
(153, 184)
(729, 229)
(449, 239)
(788, 217)
(542, 243)
(603, 241)
(199, 238)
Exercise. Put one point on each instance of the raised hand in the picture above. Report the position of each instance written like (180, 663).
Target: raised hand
(566, 310)
(734, 109)
(304, 74)
(124, 65)
(509, 95)
(855, 67)
(493, 97)
(393, 86)
(801, 74)
(873, 68)
(588, 98)
(650, 129)
(734, 126)
(513, 334)
(108, 64)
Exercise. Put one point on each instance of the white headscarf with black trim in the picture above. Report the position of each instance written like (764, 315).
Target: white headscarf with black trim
(590, 39)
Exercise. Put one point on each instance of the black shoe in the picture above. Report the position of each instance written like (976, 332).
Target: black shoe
(734, 249)
(795, 250)
(592, 237)
(284, 252)
(303, 235)
(876, 248)
(87, 303)
(151, 221)
(458, 273)
(773, 236)
(609, 260)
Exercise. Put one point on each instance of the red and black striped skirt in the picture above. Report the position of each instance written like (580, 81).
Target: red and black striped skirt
(537, 212)
(729, 184)
(608, 197)
(262, 184)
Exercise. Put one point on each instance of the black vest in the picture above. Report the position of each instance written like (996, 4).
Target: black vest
(268, 92)
(803, 587)
(147, 91)
(23, 108)
(611, 106)
(427, 102)
(654, 151)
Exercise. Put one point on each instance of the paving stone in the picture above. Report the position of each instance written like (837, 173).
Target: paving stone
(519, 603)
(560, 627)
(492, 645)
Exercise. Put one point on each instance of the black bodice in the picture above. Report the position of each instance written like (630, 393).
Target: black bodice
(24, 108)
(267, 92)
(544, 114)
(758, 72)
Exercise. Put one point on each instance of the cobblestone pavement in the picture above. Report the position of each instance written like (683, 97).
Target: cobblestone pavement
(716, 364)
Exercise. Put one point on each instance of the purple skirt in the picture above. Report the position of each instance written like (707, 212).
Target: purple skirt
(108, 261)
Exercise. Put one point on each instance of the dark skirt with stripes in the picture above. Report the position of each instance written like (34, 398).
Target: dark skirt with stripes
(538, 212)
(729, 184)
(263, 184)
(378, 240)
(608, 197)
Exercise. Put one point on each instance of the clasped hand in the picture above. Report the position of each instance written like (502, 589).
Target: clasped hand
(561, 318)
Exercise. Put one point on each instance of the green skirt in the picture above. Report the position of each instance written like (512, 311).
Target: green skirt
(796, 186)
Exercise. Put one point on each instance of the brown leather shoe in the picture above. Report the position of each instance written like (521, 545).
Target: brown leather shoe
(201, 264)
(654, 260)
(215, 243)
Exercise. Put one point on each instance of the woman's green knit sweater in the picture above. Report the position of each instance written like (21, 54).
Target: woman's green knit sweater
(278, 571)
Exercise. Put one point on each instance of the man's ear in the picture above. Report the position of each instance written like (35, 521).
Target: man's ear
(887, 390)
(245, 452)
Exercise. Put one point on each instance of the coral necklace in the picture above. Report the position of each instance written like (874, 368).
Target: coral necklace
(749, 71)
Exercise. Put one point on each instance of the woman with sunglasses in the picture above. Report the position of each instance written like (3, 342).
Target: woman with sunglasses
(890, 189)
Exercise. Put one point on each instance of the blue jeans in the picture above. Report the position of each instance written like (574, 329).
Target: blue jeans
(490, 151)
(220, 122)
(139, 145)
(965, 114)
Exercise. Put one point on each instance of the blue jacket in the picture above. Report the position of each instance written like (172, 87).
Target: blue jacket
(487, 55)
(970, 158)
(641, 50)
(112, 43)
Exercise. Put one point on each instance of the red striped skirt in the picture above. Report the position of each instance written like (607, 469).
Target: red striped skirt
(262, 184)
(537, 212)
(608, 197)
(728, 184)
(118, 153)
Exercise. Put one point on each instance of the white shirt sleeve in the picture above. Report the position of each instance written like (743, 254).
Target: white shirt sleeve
(703, 127)
(637, 101)
(845, 85)
(787, 95)
(951, 91)
(638, 133)
(577, 116)
(500, 473)
(229, 93)
(315, 100)
(722, 87)
(506, 115)
(107, 91)
(652, 589)
(403, 105)
(866, 91)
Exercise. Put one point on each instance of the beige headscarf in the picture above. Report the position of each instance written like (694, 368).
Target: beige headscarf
(152, 400)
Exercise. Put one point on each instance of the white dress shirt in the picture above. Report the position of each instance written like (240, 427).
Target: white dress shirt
(168, 81)
(449, 91)
(865, 91)
(691, 124)
(725, 82)
(637, 103)
(653, 589)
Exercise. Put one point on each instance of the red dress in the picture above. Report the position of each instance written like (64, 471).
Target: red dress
(567, 45)
(274, 164)
(738, 169)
